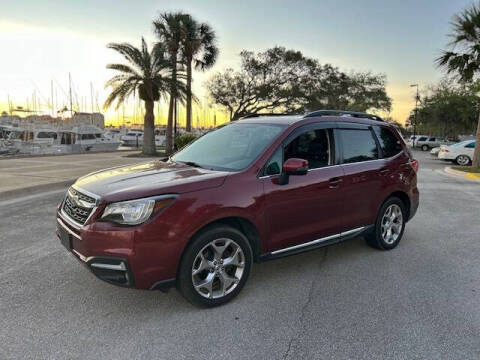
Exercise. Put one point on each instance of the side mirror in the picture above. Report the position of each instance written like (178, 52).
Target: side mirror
(294, 166)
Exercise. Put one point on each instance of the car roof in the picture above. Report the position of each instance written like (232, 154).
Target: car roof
(289, 120)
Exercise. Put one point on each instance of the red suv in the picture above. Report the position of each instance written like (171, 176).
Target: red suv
(256, 189)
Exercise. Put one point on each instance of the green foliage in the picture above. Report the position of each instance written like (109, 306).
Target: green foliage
(146, 72)
(467, 169)
(184, 139)
(284, 80)
(448, 109)
(462, 57)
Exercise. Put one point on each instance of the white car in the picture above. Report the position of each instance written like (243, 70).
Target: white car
(435, 150)
(461, 153)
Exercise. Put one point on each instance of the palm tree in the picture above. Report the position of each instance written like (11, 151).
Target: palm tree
(199, 49)
(146, 72)
(463, 57)
(168, 28)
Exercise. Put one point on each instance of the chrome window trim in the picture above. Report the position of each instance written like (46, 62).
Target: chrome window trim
(317, 241)
(62, 224)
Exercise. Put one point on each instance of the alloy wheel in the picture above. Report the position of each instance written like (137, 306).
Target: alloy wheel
(218, 268)
(463, 160)
(392, 223)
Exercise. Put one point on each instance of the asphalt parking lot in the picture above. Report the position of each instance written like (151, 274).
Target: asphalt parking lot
(347, 301)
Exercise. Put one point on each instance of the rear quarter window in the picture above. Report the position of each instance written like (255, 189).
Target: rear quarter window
(389, 143)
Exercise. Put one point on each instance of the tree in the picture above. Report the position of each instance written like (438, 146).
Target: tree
(146, 72)
(198, 49)
(287, 81)
(463, 56)
(330, 88)
(169, 30)
(448, 109)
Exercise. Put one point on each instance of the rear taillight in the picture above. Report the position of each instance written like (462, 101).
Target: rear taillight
(414, 164)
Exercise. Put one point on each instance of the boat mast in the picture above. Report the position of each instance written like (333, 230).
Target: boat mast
(51, 94)
(91, 96)
(70, 89)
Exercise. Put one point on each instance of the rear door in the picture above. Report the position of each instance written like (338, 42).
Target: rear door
(362, 166)
(310, 206)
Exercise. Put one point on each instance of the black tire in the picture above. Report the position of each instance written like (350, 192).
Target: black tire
(425, 147)
(460, 160)
(185, 279)
(375, 238)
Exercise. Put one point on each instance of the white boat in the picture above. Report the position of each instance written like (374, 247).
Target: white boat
(44, 140)
(134, 138)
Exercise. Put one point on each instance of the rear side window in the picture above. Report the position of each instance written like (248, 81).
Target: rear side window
(471, 145)
(389, 143)
(358, 145)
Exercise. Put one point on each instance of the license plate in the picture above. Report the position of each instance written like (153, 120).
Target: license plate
(65, 237)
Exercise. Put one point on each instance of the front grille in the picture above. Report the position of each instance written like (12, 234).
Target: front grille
(78, 206)
(81, 196)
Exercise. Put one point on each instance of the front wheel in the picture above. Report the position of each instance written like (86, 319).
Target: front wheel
(215, 266)
(462, 160)
(389, 225)
(425, 147)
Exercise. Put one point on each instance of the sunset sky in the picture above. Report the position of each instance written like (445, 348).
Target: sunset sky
(42, 41)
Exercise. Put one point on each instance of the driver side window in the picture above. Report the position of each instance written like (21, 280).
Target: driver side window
(313, 145)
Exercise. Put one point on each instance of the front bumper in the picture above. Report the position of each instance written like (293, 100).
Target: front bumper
(122, 256)
(446, 155)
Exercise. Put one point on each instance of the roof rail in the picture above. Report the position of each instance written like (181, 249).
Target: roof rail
(268, 114)
(343, 113)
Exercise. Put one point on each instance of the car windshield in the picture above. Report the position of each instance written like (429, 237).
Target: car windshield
(232, 147)
(461, 143)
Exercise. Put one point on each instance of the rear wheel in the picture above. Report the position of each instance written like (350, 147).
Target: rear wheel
(462, 160)
(215, 266)
(389, 225)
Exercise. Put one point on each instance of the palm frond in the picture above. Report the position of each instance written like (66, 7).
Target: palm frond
(123, 68)
(463, 56)
(129, 52)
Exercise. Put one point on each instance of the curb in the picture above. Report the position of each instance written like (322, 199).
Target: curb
(462, 174)
(32, 190)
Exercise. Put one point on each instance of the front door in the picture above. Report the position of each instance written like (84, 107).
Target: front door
(308, 207)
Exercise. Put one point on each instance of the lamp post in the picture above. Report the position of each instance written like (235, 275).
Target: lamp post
(415, 117)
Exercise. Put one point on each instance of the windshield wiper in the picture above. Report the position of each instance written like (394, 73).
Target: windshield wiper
(191, 163)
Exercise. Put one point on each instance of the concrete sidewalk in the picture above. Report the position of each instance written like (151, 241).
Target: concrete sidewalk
(22, 176)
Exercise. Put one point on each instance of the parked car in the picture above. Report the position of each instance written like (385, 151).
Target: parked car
(435, 151)
(460, 153)
(256, 189)
(428, 142)
(411, 141)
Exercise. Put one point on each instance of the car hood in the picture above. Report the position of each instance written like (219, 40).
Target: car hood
(149, 179)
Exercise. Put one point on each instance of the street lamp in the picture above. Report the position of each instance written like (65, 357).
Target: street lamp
(416, 110)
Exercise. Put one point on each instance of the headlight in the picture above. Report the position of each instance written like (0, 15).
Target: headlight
(134, 212)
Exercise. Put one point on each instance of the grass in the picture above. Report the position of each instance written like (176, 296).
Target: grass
(467, 169)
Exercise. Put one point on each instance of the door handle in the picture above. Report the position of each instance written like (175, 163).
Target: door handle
(334, 182)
